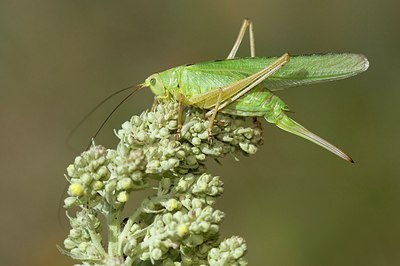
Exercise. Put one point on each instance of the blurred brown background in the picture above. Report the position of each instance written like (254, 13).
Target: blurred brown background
(294, 203)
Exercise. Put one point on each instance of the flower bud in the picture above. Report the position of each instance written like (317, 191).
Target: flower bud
(171, 204)
(69, 244)
(70, 202)
(182, 230)
(123, 196)
(76, 190)
(125, 184)
(156, 254)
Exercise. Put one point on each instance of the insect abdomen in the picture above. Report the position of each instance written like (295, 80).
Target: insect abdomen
(259, 102)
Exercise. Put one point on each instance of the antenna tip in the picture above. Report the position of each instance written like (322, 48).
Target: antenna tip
(349, 159)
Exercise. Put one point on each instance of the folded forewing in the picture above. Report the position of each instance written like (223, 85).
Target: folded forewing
(300, 70)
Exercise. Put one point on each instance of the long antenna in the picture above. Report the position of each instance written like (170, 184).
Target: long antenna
(97, 132)
(72, 132)
(108, 117)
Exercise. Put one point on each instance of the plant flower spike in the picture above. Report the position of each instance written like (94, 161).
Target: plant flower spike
(165, 151)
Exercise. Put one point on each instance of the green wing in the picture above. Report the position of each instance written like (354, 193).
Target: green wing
(300, 70)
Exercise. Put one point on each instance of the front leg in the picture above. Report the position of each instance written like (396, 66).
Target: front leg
(212, 118)
(153, 106)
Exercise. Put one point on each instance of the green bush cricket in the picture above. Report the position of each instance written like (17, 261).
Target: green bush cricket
(244, 86)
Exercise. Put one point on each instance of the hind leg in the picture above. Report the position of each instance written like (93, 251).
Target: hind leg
(258, 125)
(247, 23)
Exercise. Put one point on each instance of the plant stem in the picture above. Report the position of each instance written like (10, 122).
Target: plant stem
(97, 242)
(114, 222)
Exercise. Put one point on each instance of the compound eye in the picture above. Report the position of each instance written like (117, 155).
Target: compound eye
(152, 81)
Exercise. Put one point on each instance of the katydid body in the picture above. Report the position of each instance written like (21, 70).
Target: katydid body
(244, 86)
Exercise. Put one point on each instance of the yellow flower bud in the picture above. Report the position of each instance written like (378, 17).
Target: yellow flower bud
(76, 190)
(182, 230)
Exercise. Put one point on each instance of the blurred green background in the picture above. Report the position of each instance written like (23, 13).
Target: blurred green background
(294, 203)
